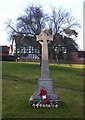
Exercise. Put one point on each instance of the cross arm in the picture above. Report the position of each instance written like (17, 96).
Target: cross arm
(44, 37)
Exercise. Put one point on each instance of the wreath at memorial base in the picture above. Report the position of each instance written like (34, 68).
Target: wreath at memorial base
(44, 101)
(43, 94)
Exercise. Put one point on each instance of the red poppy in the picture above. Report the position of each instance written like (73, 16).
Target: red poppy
(42, 92)
(46, 100)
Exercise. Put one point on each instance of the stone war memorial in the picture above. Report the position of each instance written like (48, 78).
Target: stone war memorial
(44, 95)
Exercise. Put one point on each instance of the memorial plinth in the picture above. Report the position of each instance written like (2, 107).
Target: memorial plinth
(44, 94)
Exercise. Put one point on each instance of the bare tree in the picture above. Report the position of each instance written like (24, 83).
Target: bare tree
(61, 19)
(34, 20)
(30, 23)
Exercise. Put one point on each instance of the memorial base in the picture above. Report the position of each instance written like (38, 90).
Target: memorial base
(44, 96)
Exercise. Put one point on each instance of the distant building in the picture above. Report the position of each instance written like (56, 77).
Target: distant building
(27, 49)
(32, 53)
(79, 57)
(4, 51)
(5, 54)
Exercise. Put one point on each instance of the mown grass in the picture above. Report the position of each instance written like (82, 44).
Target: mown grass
(19, 83)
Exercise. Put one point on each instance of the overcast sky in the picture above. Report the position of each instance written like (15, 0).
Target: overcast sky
(11, 9)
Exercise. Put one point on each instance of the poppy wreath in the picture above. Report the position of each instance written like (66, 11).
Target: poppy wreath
(43, 94)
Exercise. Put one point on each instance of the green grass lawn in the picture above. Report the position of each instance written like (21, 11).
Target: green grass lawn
(19, 80)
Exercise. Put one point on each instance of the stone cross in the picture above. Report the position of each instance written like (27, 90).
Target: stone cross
(44, 37)
(44, 86)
